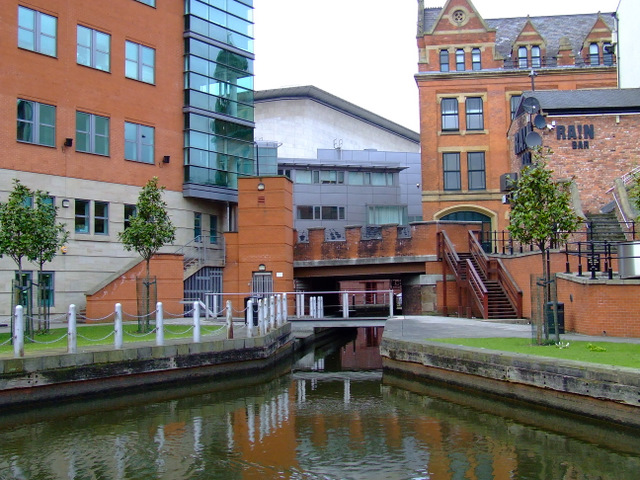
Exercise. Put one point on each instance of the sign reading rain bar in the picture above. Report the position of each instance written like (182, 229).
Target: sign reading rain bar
(578, 134)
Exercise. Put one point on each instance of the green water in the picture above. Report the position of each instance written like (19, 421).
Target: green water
(333, 416)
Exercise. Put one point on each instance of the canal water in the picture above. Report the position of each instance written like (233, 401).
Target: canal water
(333, 415)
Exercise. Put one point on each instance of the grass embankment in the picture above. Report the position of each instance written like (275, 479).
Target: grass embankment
(91, 335)
(607, 353)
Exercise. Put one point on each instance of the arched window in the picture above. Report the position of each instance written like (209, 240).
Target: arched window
(444, 60)
(460, 60)
(476, 59)
(536, 60)
(522, 57)
(594, 54)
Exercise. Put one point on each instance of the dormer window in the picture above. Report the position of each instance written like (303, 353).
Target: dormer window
(536, 59)
(594, 54)
(523, 61)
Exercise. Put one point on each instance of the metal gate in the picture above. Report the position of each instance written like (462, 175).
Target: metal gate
(205, 280)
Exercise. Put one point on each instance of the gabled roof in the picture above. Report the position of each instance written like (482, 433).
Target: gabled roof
(575, 28)
(559, 102)
(310, 92)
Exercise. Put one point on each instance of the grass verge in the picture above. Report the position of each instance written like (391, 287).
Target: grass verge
(89, 335)
(607, 353)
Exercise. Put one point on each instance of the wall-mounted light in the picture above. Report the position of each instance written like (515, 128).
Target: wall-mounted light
(262, 267)
(65, 203)
(166, 159)
(63, 249)
(260, 186)
(68, 142)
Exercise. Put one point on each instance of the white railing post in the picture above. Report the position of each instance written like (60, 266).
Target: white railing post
(300, 305)
(229, 320)
(261, 329)
(278, 310)
(207, 310)
(320, 307)
(159, 324)
(72, 339)
(216, 308)
(312, 307)
(345, 304)
(249, 317)
(18, 332)
(285, 308)
(118, 342)
(196, 322)
(272, 312)
(391, 303)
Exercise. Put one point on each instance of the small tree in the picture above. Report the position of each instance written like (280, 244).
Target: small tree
(49, 236)
(541, 214)
(149, 229)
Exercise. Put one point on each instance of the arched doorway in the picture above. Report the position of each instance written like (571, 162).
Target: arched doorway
(471, 216)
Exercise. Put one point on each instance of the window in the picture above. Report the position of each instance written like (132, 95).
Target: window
(303, 176)
(37, 31)
(607, 54)
(328, 177)
(314, 212)
(474, 113)
(47, 289)
(36, 123)
(594, 54)
(475, 170)
(387, 214)
(129, 213)
(93, 48)
(460, 60)
(262, 283)
(305, 212)
(476, 59)
(197, 226)
(514, 103)
(451, 168)
(449, 109)
(140, 62)
(82, 216)
(101, 218)
(213, 229)
(522, 57)
(536, 59)
(444, 60)
(151, 3)
(92, 133)
(138, 142)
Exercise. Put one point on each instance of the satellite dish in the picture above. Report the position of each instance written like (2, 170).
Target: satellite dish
(533, 139)
(539, 121)
(531, 105)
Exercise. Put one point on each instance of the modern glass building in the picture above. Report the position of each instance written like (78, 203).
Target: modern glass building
(218, 98)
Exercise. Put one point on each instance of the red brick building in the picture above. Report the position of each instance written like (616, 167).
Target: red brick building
(472, 72)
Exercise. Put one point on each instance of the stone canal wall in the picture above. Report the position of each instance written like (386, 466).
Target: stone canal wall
(58, 376)
(593, 390)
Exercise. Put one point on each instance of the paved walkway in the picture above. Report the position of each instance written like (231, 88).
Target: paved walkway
(415, 328)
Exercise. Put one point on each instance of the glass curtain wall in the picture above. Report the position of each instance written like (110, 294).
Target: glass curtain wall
(218, 80)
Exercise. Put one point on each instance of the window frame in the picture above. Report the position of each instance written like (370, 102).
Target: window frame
(138, 62)
(536, 56)
(444, 60)
(476, 59)
(93, 48)
(594, 54)
(36, 32)
(460, 60)
(85, 216)
(100, 222)
(92, 134)
(197, 227)
(448, 116)
(523, 60)
(451, 173)
(474, 115)
(607, 56)
(514, 102)
(482, 185)
(150, 3)
(36, 123)
(213, 229)
(138, 143)
(49, 285)
(129, 211)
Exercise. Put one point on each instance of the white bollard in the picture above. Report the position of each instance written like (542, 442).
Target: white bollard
(72, 334)
(285, 308)
(391, 303)
(272, 312)
(18, 332)
(159, 325)
(265, 314)
(345, 304)
(196, 322)
(118, 342)
(229, 320)
(249, 318)
(260, 317)
(278, 310)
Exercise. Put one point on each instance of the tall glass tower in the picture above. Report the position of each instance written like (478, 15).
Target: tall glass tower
(218, 98)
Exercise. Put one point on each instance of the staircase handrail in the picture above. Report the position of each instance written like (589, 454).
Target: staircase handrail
(478, 253)
(511, 288)
(449, 253)
(478, 290)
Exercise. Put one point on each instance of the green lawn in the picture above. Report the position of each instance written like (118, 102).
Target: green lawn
(608, 353)
(101, 335)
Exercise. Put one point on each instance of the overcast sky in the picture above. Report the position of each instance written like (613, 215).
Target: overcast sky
(364, 51)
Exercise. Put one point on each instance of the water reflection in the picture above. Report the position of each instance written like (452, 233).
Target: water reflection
(332, 417)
